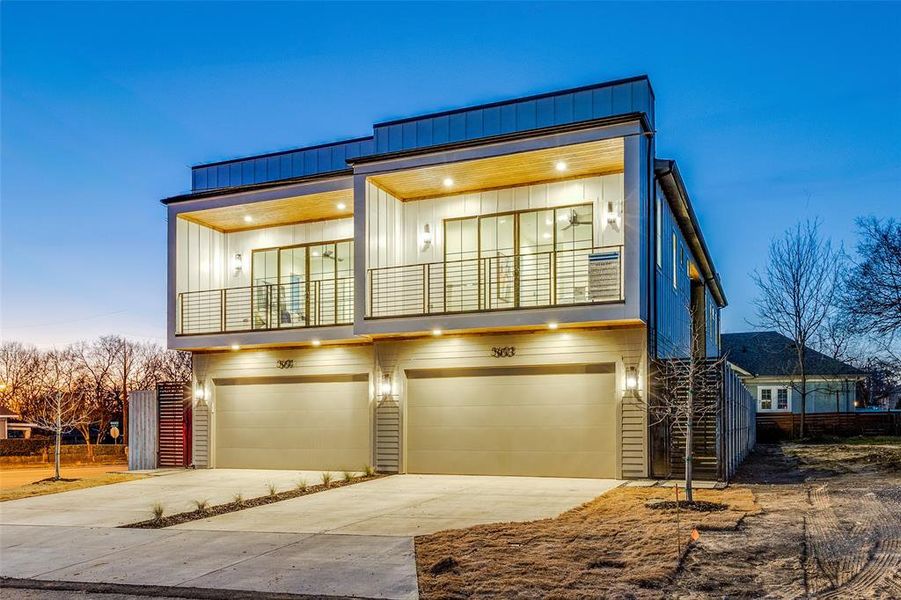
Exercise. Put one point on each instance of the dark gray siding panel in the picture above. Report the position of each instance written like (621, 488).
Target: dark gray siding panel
(283, 165)
(585, 104)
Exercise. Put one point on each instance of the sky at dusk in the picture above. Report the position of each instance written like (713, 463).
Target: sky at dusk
(774, 112)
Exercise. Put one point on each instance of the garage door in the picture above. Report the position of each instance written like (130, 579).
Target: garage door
(552, 421)
(296, 423)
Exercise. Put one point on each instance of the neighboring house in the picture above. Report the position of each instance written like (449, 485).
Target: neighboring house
(767, 362)
(11, 426)
(475, 291)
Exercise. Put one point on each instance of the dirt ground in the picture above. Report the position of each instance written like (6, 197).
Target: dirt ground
(803, 521)
(829, 527)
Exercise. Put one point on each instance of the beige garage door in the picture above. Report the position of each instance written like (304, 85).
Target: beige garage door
(295, 424)
(555, 421)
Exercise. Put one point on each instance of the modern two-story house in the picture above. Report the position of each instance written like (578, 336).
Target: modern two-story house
(475, 291)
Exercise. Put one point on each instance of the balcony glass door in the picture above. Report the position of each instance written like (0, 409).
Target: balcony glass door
(573, 241)
(461, 265)
(497, 238)
(292, 297)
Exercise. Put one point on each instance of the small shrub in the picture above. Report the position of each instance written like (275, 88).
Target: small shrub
(202, 505)
(302, 485)
(368, 471)
(348, 476)
(273, 491)
(326, 479)
(238, 498)
(157, 509)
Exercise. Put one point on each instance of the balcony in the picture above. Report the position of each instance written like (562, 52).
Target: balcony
(497, 283)
(273, 306)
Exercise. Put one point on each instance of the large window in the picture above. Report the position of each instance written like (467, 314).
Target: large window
(527, 258)
(303, 285)
(773, 399)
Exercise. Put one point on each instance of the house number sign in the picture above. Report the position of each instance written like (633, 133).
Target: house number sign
(503, 351)
(285, 364)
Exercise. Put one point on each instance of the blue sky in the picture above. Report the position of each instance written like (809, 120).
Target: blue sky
(774, 111)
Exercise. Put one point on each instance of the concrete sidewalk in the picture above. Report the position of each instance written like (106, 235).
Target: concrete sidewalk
(346, 565)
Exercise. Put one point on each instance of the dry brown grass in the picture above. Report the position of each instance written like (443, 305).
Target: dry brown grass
(40, 488)
(613, 544)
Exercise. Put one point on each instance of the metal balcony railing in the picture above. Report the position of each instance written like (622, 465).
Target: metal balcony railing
(545, 279)
(267, 307)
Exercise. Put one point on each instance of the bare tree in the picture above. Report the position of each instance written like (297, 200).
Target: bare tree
(58, 401)
(872, 288)
(128, 368)
(686, 392)
(18, 366)
(797, 292)
(165, 365)
(98, 358)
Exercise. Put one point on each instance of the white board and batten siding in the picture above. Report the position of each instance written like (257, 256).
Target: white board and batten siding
(261, 369)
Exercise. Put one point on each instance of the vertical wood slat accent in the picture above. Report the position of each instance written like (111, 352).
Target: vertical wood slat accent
(142, 430)
(173, 400)
(387, 435)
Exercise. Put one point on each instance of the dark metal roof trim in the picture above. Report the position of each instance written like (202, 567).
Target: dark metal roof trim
(507, 137)
(583, 88)
(252, 187)
(282, 152)
(667, 172)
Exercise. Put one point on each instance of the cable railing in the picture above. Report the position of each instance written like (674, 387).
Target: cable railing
(544, 279)
(289, 305)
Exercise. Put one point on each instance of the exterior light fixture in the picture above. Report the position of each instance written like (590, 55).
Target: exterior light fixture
(385, 388)
(200, 392)
(426, 237)
(631, 379)
(248, 219)
(236, 347)
(552, 325)
(237, 262)
(316, 343)
(436, 332)
(561, 165)
(612, 214)
(340, 206)
(448, 182)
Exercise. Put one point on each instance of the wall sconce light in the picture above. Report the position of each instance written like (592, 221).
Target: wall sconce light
(386, 388)
(426, 237)
(200, 393)
(631, 379)
(237, 263)
(612, 213)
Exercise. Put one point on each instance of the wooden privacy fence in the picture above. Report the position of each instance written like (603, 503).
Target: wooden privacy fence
(142, 426)
(174, 402)
(782, 426)
(722, 437)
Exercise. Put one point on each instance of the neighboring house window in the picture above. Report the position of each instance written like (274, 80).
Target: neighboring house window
(773, 398)
(659, 232)
(675, 271)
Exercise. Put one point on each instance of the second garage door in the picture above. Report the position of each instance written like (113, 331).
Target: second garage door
(299, 424)
(529, 421)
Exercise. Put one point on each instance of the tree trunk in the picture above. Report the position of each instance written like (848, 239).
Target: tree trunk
(86, 434)
(803, 403)
(59, 441)
(689, 443)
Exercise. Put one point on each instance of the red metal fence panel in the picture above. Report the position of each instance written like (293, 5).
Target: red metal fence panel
(174, 406)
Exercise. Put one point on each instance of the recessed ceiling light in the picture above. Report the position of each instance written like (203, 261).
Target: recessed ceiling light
(248, 219)
(448, 182)
(316, 342)
(341, 206)
(236, 347)
(561, 165)
(552, 325)
(436, 332)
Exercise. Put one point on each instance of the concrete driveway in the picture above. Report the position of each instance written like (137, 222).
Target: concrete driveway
(130, 502)
(409, 505)
(354, 541)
